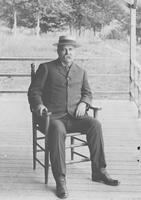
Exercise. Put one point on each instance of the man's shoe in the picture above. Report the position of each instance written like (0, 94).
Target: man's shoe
(103, 176)
(61, 188)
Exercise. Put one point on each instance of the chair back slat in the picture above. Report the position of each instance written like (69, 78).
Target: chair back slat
(33, 71)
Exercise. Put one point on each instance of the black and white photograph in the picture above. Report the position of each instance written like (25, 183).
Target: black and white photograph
(70, 99)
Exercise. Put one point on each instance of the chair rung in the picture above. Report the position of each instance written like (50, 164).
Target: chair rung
(40, 146)
(79, 154)
(40, 138)
(39, 150)
(78, 161)
(79, 139)
(73, 134)
(76, 145)
(40, 162)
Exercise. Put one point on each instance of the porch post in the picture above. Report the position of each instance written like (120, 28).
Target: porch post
(132, 43)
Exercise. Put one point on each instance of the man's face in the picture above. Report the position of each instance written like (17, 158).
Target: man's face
(66, 53)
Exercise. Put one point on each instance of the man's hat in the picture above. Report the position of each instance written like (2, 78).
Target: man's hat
(67, 40)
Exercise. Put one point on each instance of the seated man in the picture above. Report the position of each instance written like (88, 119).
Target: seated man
(62, 87)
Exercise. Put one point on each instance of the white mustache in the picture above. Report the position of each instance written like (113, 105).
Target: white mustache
(67, 56)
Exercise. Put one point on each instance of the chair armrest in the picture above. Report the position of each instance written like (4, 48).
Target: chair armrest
(46, 116)
(45, 113)
(95, 110)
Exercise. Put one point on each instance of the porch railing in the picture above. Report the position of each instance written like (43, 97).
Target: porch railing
(92, 76)
(22, 75)
(134, 77)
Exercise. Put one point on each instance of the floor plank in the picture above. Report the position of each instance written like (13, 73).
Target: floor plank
(122, 135)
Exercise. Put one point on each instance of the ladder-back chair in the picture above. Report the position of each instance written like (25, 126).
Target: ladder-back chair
(37, 147)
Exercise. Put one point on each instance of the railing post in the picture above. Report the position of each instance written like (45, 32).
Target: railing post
(133, 82)
(130, 81)
(139, 94)
(132, 43)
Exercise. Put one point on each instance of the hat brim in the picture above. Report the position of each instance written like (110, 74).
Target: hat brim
(76, 45)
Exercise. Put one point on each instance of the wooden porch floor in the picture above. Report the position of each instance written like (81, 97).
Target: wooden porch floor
(122, 135)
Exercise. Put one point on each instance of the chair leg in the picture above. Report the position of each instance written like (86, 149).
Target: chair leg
(72, 149)
(47, 119)
(34, 147)
(46, 166)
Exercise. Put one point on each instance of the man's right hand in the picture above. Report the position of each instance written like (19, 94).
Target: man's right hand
(41, 109)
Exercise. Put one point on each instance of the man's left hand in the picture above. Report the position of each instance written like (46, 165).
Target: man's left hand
(81, 109)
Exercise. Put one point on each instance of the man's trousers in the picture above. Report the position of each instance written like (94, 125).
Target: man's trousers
(57, 135)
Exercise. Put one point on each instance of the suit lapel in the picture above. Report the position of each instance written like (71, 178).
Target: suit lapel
(73, 70)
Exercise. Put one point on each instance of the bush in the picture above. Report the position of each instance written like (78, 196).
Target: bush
(113, 31)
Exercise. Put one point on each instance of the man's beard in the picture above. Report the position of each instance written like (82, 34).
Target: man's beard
(67, 59)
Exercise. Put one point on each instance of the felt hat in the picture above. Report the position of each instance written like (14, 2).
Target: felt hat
(67, 40)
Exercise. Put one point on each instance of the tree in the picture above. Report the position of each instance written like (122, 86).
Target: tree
(54, 14)
(51, 15)
(12, 13)
(7, 8)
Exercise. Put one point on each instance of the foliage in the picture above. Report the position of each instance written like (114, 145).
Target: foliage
(55, 15)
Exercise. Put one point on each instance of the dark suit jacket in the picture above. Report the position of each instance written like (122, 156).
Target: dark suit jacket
(58, 91)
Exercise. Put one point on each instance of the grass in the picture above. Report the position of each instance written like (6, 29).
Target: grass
(101, 57)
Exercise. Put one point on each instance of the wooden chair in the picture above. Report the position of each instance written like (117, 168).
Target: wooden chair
(37, 147)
